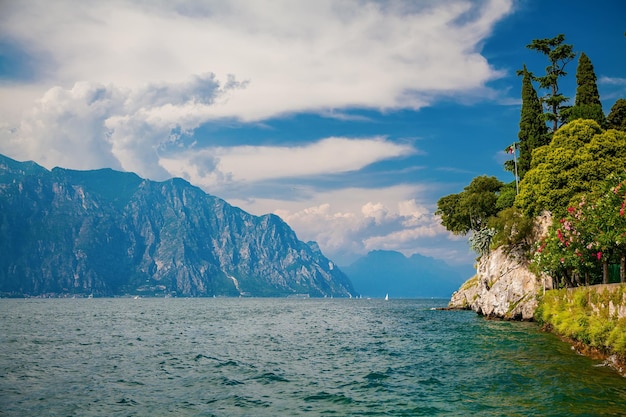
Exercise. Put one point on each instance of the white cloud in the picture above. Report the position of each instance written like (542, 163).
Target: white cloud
(612, 80)
(296, 55)
(93, 125)
(613, 88)
(357, 220)
(118, 82)
(258, 163)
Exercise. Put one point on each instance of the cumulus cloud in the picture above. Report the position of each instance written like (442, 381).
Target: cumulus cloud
(93, 125)
(125, 84)
(296, 55)
(357, 220)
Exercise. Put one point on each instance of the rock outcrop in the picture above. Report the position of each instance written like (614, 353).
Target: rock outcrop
(108, 233)
(503, 287)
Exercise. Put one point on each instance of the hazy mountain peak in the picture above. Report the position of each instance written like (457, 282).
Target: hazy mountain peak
(108, 232)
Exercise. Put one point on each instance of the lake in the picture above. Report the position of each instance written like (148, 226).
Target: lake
(287, 357)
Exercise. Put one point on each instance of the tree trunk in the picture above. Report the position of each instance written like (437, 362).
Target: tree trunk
(605, 272)
(587, 278)
(567, 279)
(622, 269)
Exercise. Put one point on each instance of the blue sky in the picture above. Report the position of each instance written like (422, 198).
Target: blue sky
(348, 119)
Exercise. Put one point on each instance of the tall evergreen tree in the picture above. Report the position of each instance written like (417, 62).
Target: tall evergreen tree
(617, 117)
(560, 55)
(587, 105)
(533, 131)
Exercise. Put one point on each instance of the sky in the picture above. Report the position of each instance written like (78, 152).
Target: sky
(349, 119)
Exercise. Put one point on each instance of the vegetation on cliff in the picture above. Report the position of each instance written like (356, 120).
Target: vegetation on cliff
(570, 175)
(569, 166)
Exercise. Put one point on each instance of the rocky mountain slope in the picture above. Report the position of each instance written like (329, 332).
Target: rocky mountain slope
(389, 272)
(503, 287)
(107, 233)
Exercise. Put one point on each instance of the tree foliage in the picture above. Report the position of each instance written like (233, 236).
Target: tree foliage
(617, 117)
(587, 104)
(580, 156)
(563, 169)
(533, 131)
(559, 54)
(481, 240)
(512, 228)
(471, 209)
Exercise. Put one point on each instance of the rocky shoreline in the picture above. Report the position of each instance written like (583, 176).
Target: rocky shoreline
(504, 288)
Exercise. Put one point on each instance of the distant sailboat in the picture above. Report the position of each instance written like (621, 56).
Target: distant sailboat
(386, 296)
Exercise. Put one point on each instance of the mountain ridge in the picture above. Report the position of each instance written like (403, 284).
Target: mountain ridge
(382, 272)
(107, 233)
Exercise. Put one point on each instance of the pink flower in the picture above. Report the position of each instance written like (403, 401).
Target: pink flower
(599, 255)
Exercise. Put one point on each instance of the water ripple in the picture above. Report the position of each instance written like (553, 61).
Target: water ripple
(274, 357)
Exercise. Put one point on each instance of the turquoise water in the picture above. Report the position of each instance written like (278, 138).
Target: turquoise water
(287, 357)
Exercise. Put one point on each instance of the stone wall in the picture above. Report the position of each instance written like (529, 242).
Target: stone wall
(610, 302)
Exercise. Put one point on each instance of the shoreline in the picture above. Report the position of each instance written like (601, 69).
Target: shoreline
(609, 359)
(612, 360)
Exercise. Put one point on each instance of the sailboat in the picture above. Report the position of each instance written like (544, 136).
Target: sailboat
(387, 297)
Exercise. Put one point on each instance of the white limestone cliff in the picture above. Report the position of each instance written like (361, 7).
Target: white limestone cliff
(503, 287)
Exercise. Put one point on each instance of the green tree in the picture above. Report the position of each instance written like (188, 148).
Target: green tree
(471, 209)
(560, 55)
(579, 157)
(587, 104)
(533, 131)
(513, 229)
(617, 117)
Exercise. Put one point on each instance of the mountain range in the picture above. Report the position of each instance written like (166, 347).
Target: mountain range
(388, 272)
(109, 233)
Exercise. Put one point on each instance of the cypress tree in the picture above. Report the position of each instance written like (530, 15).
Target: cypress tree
(587, 91)
(587, 105)
(533, 131)
(617, 117)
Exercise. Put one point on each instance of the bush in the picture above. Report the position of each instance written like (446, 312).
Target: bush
(513, 229)
(583, 314)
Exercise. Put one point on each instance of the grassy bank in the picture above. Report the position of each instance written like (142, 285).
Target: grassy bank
(594, 316)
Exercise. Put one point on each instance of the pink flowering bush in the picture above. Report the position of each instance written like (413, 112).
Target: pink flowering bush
(592, 234)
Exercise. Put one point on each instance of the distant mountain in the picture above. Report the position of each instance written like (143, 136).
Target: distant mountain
(108, 233)
(381, 272)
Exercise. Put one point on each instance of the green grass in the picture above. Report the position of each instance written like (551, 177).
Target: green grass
(584, 314)
(472, 282)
